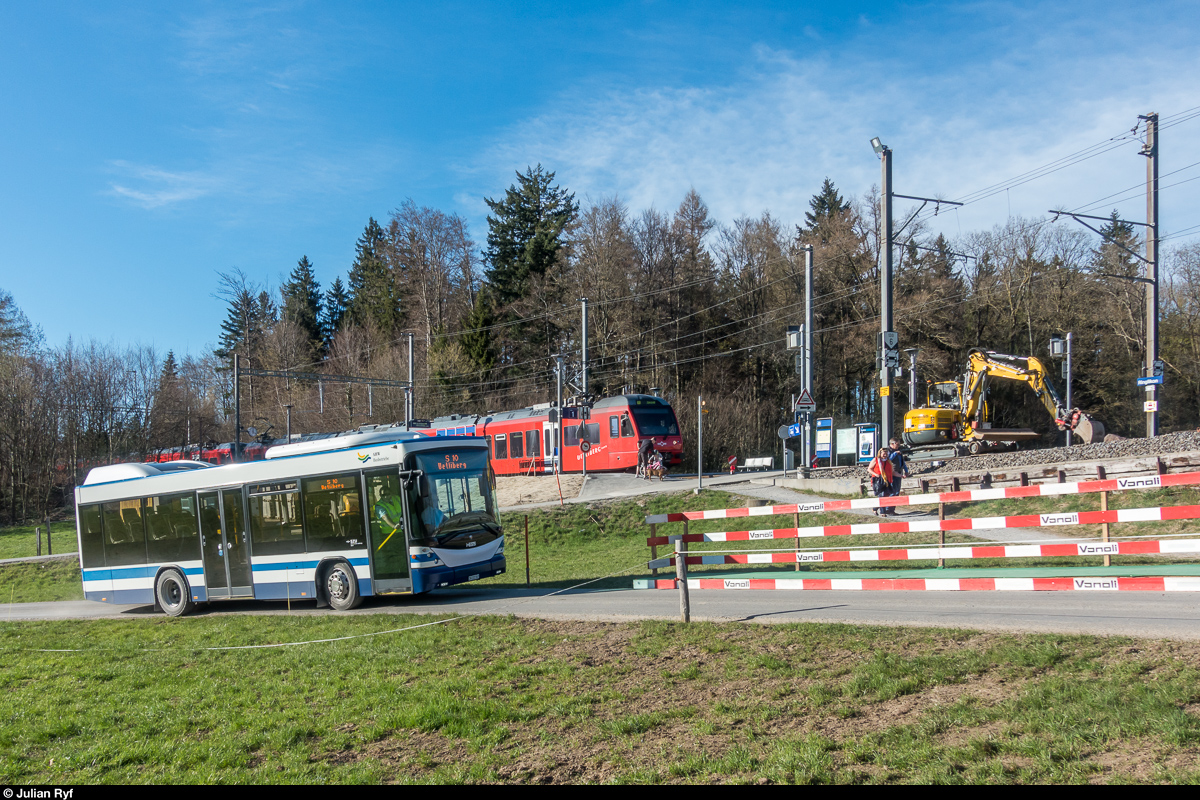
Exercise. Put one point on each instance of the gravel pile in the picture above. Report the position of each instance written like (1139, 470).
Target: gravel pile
(1118, 448)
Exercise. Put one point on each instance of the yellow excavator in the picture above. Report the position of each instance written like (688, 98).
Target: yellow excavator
(956, 413)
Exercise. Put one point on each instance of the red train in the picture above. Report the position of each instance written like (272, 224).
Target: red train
(522, 442)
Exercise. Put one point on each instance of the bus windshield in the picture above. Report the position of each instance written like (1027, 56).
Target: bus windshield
(453, 497)
(655, 422)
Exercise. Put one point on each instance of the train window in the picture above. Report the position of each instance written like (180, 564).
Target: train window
(514, 446)
(533, 443)
(593, 432)
(501, 446)
(614, 424)
(626, 426)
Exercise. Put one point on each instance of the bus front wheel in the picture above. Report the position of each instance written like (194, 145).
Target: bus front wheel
(173, 593)
(341, 586)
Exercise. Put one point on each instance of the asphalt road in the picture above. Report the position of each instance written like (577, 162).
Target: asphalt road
(1135, 614)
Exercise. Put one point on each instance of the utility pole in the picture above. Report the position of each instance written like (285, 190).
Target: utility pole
(1070, 367)
(889, 340)
(807, 380)
(585, 413)
(584, 376)
(885, 295)
(558, 445)
(1152, 367)
(1151, 153)
(699, 443)
(410, 402)
(236, 455)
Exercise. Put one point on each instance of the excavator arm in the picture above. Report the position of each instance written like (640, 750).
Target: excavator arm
(984, 365)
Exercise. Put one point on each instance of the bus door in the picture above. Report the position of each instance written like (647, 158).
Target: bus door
(226, 544)
(389, 533)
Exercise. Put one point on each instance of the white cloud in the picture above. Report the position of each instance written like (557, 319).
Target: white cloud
(766, 138)
(155, 188)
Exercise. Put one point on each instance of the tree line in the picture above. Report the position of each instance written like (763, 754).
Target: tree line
(679, 303)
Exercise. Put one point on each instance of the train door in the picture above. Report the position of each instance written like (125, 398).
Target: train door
(225, 544)
(389, 533)
(550, 443)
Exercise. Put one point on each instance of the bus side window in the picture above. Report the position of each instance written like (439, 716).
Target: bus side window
(626, 426)
(92, 536)
(125, 533)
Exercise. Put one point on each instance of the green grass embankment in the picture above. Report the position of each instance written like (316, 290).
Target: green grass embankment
(487, 700)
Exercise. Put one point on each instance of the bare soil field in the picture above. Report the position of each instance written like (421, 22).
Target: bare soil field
(519, 490)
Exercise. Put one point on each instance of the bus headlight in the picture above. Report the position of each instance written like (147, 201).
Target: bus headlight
(424, 557)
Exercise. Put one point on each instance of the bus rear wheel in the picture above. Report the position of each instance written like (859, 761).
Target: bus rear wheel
(173, 593)
(341, 585)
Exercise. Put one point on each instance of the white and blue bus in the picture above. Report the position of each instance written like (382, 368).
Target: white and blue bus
(332, 520)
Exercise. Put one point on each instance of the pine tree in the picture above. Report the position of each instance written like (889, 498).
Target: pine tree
(825, 207)
(250, 315)
(477, 339)
(525, 234)
(1110, 257)
(15, 329)
(168, 421)
(374, 294)
(336, 307)
(302, 302)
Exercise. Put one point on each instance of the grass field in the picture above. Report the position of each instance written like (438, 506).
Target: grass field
(512, 701)
(20, 541)
(485, 700)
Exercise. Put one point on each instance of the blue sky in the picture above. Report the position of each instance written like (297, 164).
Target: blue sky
(144, 146)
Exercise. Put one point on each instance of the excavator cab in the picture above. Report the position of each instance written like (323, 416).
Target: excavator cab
(937, 423)
(944, 394)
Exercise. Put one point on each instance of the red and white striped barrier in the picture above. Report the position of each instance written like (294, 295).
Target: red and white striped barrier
(972, 495)
(1156, 514)
(1139, 547)
(1098, 583)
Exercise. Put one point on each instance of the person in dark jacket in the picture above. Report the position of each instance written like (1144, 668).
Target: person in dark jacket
(899, 468)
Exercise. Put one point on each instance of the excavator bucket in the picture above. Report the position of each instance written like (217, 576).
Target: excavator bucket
(1089, 430)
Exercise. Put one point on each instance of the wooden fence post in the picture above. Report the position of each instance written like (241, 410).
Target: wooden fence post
(653, 547)
(797, 515)
(1104, 527)
(941, 533)
(685, 607)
